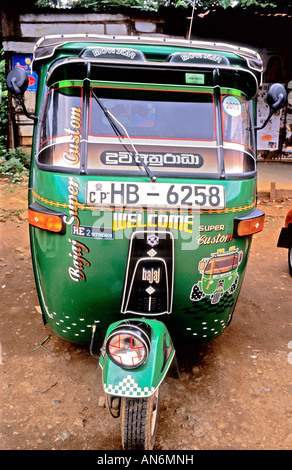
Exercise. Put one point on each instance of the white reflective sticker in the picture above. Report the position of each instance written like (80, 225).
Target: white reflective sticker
(232, 105)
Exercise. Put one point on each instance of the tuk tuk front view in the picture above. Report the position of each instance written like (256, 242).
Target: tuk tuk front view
(142, 201)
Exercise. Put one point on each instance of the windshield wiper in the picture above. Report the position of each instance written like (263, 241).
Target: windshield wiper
(113, 120)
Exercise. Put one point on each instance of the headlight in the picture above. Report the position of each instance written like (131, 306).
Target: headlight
(128, 346)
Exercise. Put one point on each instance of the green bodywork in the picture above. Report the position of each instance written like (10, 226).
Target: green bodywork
(145, 379)
(80, 279)
(72, 306)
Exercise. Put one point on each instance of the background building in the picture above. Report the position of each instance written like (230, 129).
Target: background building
(267, 31)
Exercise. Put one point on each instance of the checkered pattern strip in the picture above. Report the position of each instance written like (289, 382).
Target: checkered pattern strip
(128, 387)
(204, 306)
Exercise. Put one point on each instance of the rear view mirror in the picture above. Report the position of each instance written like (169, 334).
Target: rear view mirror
(17, 83)
(276, 99)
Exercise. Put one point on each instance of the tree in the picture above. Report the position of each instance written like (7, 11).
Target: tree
(154, 5)
(3, 105)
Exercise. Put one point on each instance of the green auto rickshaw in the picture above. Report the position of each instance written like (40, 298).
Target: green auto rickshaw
(142, 200)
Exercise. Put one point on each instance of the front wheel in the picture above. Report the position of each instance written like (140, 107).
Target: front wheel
(139, 422)
(290, 259)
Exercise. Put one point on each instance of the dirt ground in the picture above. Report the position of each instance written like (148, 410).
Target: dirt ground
(233, 393)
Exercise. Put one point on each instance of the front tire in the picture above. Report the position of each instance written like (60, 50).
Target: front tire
(139, 422)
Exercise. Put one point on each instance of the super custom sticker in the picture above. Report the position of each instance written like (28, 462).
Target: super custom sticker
(72, 157)
(219, 275)
(78, 249)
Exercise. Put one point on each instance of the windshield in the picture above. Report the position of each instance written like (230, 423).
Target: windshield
(155, 114)
(164, 126)
(237, 134)
(170, 131)
(221, 265)
(61, 127)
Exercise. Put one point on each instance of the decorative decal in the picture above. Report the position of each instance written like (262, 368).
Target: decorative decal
(149, 277)
(152, 240)
(199, 58)
(121, 53)
(219, 275)
(76, 272)
(210, 228)
(73, 203)
(129, 388)
(232, 106)
(163, 159)
(125, 220)
(151, 253)
(73, 156)
(219, 238)
(203, 239)
(106, 51)
(92, 232)
(90, 206)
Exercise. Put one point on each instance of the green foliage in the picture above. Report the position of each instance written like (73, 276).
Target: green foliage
(105, 5)
(14, 163)
(154, 5)
(276, 4)
(3, 104)
(204, 4)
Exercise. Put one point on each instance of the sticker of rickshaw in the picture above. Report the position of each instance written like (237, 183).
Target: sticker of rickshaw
(219, 275)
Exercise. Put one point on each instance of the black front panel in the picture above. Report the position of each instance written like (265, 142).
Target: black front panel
(149, 276)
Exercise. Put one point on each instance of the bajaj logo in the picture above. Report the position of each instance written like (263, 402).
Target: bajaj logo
(151, 275)
(152, 240)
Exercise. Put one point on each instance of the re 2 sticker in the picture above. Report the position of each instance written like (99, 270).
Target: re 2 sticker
(92, 232)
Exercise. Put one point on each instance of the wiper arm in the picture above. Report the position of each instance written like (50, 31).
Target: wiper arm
(113, 120)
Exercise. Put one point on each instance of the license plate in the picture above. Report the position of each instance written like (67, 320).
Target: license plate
(206, 196)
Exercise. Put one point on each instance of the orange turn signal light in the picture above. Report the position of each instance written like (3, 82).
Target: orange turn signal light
(45, 219)
(249, 224)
